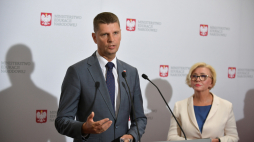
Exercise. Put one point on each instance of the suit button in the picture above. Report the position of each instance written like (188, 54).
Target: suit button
(116, 127)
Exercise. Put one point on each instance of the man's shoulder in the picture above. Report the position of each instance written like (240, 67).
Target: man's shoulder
(80, 63)
(126, 65)
(85, 62)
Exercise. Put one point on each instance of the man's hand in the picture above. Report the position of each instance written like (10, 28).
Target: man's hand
(91, 127)
(127, 136)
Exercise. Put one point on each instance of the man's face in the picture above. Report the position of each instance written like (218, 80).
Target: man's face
(107, 38)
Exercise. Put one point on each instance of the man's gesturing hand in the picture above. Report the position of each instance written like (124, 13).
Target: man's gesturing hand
(91, 127)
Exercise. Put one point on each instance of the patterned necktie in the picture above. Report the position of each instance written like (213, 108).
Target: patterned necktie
(110, 80)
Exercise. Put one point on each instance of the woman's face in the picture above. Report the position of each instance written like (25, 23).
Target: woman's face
(201, 85)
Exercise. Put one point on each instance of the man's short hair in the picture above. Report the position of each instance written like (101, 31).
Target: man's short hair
(104, 18)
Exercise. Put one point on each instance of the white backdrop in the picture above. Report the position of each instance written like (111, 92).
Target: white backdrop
(35, 57)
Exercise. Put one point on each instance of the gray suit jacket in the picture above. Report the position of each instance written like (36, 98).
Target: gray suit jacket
(79, 97)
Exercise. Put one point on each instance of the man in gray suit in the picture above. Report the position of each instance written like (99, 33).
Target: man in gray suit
(95, 92)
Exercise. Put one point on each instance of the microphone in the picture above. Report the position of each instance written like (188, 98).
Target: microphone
(132, 106)
(124, 74)
(146, 77)
(97, 85)
(90, 109)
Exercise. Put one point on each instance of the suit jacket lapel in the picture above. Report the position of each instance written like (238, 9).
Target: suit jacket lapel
(215, 106)
(96, 73)
(192, 113)
(121, 83)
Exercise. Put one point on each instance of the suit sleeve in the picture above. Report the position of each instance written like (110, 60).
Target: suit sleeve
(174, 130)
(68, 105)
(230, 131)
(139, 111)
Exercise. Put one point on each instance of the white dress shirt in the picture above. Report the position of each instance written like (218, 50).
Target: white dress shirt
(103, 62)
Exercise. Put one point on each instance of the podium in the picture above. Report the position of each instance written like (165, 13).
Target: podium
(197, 140)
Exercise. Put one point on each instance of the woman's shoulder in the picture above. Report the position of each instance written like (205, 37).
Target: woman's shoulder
(221, 101)
(183, 102)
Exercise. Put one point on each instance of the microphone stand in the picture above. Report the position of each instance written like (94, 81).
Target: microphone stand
(146, 77)
(132, 106)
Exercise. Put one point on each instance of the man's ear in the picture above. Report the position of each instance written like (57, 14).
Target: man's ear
(94, 38)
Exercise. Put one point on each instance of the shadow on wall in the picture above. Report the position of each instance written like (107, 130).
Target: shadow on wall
(245, 126)
(158, 120)
(18, 103)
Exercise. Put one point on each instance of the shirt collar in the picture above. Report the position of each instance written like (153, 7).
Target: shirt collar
(103, 61)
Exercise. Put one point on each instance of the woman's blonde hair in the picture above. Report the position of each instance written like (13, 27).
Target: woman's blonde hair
(201, 64)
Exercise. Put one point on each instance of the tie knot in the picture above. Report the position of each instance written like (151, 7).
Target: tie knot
(110, 65)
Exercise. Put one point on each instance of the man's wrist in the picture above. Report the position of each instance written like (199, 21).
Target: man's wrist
(132, 137)
(83, 131)
(127, 137)
(83, 134)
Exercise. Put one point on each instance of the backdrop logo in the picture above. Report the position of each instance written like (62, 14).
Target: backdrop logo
(203, 30)
(245, 73)
(14, 66)
(164, 70)
(231, 72)
(179, 71)
(130, 24)
(41, 116)
(46, 19)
